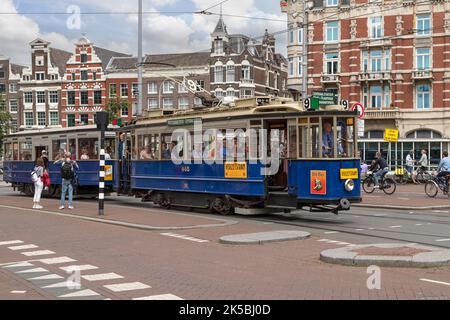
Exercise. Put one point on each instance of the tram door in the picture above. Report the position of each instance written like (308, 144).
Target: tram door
(124, 152)
(277, 131)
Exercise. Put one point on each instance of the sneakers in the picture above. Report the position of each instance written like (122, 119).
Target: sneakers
(61, 207)
(38, 206)
(70, 208)
(376, 187)
(34, 206)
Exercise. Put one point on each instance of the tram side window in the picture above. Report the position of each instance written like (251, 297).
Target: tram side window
(292, 150)
(88, 149)
(110, 149)
(26, 151)
(148, 146)
(59, 147)
(314, 146)
(210, 148)
(328, 138)
(345, 133)
(15, 151)
(167, 146)
(253, 143)
(8, 153)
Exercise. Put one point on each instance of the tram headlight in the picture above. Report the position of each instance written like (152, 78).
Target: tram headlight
(349, 185)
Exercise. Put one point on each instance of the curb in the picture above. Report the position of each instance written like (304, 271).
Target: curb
(264, 237)
(125, 224)
(375, 206)
(436, 257)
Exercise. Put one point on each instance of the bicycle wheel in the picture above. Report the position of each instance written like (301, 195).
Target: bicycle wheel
(431, 189)
(423, 177)
(368, 185)
(403, 179)
(389, 186)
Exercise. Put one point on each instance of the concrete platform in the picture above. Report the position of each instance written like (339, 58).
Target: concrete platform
(263, 237)
(388, 255)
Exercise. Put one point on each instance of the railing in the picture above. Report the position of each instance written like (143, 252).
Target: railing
(422, 74)
(375, 76)
(247, 81)
(381, 113)
(330, 78)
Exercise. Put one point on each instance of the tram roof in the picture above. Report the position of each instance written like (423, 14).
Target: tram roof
(49, 131)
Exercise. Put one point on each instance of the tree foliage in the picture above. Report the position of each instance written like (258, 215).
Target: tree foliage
(114, 108)
(5, 117)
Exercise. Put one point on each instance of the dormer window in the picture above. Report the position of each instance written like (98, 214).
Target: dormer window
(40, 61)
(40, 76)
(83, 58)
(218, 46)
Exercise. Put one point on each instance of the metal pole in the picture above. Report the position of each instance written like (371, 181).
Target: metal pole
(305, 51)
(101, 183)
(140, 65)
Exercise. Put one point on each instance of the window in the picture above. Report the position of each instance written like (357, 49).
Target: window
(73, 76)
(40, 97)
(387, 96)
(291, 35)
(84, 119)
(376, 27)
(152, 103)
(13, 87)
(375, 60)
(84, 75)
(332, 31)
(375, 97)
(230, 92)
(423, 96)
(84, 99)
(152, 88)
(70, 98)
(183, 103)
(230, 73)
(135, 89)
(98, 97)
(423, 58)
(423, 24)
(219, 93)
(198, 102)
(246, 73)
(112, 90)
(54, 118)
(39, 60)
(54, 77)
(218, 73)
(41, 119)
(53, 96)
(332, 3)
(300, 65)
(13, 106)
(83, 58)
(182, 88)
(29, 121)
(13, 126)
(124, 90)
(168, 87)
(71, 120)
(40, 76)
(291, 67)
(2, 73)
(124, 112)
(2, 88)
(246, 93)
(94, 75)
(300, 36)
(218, 46)
(28, 97)
(331, 63)
(167, 103)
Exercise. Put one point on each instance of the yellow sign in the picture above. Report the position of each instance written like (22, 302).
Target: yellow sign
(391, 135)
(108, 173)
(352, 173)
(236, 170)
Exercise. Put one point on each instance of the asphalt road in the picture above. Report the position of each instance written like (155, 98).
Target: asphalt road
(126, 263)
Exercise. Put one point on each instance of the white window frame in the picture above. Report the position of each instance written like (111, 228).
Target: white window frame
(38, 119)
(231, 73)
(218, 73)
(166, 105)
(156, 105)
(124, 86)
(52, 122)
(420, 96)
(152, 87)
(299, 66)
(422, 57)
(40, 94)
(331, 62)
(16, 109)
(13, 88)
(183, 103)
(291, 67)
(334, 31)
(30, 117)
(218, 46)
(40, 76)
(182, 88)
(332, 3)
(168, 86)
(28, 94)
(51, 97)
(376, 27)
(421, 21)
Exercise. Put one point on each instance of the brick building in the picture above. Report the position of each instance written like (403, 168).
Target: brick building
(84, 83)
(40, 87)
(393, 56)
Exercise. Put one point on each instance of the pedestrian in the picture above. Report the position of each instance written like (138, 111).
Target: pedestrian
(364, 169)
(409, 165)
(44, 157)
(68, 167)
(421, 165)
(38, 184)
(108, 153)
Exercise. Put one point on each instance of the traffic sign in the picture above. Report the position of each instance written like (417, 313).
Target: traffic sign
(391, 135)
(345, 104)
(360, 108)
(325, 98)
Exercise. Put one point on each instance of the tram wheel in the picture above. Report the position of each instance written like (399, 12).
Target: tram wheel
(222, 206)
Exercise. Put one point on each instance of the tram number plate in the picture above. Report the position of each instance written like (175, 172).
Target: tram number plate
(236, 170)
(349, 173)
(108, 173)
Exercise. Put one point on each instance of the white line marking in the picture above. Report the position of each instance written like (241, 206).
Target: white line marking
(4, 243)
(78, 268)
(322, 240)
(406, 199)
(434, 281)
(47, 277)
(181, 236)
(442, 240)
(343, 243)
(371, 228)
(37, 253)
(64, 284)
(393, 227)
(57, 260)
(332, 241)
(18, 291)
(331, 232)
(127, 286)
(380, 215)
(24, 247)
(419, 224)
(102, 276)
(160, 297)
(18, 265)
(359, 229)
(34, 270)
(79, 294)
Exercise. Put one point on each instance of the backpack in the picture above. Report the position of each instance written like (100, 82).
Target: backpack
(67, 171)
(34, 176)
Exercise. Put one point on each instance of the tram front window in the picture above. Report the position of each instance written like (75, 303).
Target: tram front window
(59, 147)
(328, 138)
(87, 149)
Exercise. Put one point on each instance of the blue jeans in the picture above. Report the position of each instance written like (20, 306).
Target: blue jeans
(377, 175)
(66, 186)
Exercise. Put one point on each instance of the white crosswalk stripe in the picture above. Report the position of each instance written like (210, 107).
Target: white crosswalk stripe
(102, 276)
(160, 297)
(5, 243)
(78, 268)
(184, 237)
(57, 260)
(24, 247)
(47, 277)
(34, 270)
(18, 265)
(37, 253)
(63, 284)
(127, 286)
(80, 294)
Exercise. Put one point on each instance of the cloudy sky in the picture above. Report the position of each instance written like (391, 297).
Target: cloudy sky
(21, 21)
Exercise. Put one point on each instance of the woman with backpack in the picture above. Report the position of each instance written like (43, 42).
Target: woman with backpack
(38, 184)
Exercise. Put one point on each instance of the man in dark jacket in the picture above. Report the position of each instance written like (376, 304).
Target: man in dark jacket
(380, 167)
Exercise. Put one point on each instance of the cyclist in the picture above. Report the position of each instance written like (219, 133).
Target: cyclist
(382, 166)
(421, 165)
(444, 168)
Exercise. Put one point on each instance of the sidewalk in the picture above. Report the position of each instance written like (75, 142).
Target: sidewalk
(407, 197)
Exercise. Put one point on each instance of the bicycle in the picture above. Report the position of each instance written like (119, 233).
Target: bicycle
(388, 185)
(422, 175)
(432, 186)
(402, 176)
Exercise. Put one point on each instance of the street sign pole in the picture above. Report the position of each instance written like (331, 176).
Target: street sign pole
(102, 124)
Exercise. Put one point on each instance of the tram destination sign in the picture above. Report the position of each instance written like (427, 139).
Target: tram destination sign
(324, 98)
(183, 122)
